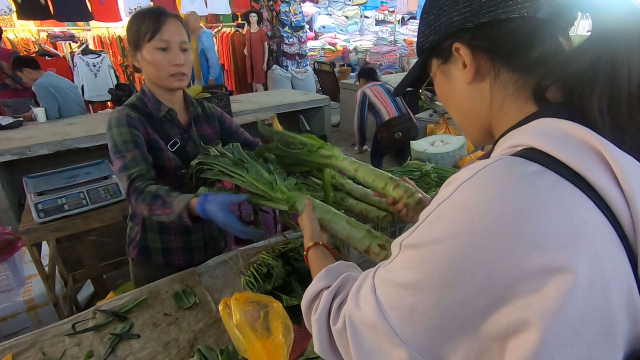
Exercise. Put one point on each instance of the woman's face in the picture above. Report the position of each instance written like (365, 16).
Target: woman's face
(166, 60)
(253, 19)
(464, 92)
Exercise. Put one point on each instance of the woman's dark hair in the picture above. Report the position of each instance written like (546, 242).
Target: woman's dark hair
(367, 73)
(600, 77)
(146, 24)
(258, 13)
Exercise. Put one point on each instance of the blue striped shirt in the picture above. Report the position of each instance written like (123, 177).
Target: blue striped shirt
(375, 100)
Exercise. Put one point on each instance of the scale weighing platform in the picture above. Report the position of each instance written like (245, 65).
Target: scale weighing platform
(72, 190)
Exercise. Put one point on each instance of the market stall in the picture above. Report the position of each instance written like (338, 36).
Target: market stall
(71, 141)
(167, 330)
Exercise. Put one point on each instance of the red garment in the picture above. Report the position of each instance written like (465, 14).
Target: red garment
(105, 10)
(57, 65)
(239, 64)
(255, 61)
(169, 5)
(238, 6)
(11, 87)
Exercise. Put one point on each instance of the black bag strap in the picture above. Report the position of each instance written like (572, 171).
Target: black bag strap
(563, 170)
(176, 146)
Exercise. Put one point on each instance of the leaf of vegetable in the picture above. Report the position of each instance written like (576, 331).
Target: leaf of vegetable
(88, 355)
(185, 298)
(206, 352)
(126, 336)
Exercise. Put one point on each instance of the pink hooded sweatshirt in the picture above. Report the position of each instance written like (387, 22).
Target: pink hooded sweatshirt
(509, 261)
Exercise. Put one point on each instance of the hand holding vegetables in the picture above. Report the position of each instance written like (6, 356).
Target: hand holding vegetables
(400, 208)
(215, 208)
(318, 256)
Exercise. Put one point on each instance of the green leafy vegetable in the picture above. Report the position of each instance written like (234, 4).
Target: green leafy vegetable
(269, 186)
(88, 355)
(115, 340)
(206, 352)
(126, 336)
(428, 178)
(185, 298)
(124, 310)
(299, 153)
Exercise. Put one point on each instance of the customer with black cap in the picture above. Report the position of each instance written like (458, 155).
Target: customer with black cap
(532, 253)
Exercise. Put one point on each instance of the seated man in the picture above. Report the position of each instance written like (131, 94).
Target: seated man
(58, 96)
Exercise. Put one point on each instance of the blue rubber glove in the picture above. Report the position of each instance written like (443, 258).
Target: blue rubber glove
(215, 208)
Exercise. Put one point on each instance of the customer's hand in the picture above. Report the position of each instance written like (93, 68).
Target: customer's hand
(246, 52)
(215, 208)
(401, 209)
(28, 116)
(309, 224)
(264, 67)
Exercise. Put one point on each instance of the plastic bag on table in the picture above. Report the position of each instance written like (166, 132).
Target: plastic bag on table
(10, 243)
(443, 127)
(258, 326)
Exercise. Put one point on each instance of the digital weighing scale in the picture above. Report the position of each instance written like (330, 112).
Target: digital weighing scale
(72, 190)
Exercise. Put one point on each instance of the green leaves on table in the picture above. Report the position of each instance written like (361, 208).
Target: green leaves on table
(123, 311)
(185, 298)
(115, 340)
(88, 355)
(206, 352)
(310, 354)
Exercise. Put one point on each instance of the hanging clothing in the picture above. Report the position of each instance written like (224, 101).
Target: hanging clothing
(197, 6)
(255, 60)
(95, 75)
(197, 70)
(105, 10)
(56, 65)
(32, 10)
(6, 9)
(131, 6)
(238, 6)
(11, 87)
(167, 4)
(239, 63)
(71, 11)
(218, 7)
(208, 58)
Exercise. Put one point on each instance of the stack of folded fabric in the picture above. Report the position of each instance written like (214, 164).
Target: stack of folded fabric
(384, 58)
(341, 23)
(351, 12)
(336, 6)
(325, 24)
(323, 7)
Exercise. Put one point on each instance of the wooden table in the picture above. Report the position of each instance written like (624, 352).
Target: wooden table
(35, 234)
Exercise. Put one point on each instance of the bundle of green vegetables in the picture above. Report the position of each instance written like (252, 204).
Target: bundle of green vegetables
(305, 152)
(269, 186)
(428, 178)
(281, 273)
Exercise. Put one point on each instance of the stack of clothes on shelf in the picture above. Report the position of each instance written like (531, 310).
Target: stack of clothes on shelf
(384, 58)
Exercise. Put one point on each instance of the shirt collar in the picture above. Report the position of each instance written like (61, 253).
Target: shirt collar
(159, 109)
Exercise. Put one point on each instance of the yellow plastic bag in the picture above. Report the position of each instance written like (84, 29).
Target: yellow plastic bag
(443, 127)
(258, 326)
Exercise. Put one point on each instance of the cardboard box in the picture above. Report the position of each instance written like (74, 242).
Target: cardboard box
(28, 308)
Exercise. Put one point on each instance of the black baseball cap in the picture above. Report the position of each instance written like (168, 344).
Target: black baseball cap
(441, 19)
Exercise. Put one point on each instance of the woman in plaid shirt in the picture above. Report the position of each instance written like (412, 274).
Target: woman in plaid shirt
(170, 229)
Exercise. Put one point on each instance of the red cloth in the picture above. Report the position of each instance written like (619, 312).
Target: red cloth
(238, 6)
(57, 65)
(169, 5)
(255, 61)
(105, 10)
(11, 87)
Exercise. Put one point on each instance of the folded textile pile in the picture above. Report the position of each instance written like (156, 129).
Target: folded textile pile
(325, 24)
(384, 58)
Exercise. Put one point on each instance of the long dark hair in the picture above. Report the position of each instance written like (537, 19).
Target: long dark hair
(600, 77)
(146, 24)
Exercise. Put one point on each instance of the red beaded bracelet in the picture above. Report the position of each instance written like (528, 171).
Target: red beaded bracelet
(312, 244)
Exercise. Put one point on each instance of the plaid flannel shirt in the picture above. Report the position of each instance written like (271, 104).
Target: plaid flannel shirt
(160, 228)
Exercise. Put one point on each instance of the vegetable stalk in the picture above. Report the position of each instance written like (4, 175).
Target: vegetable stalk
(268, 184)
(308, 151)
